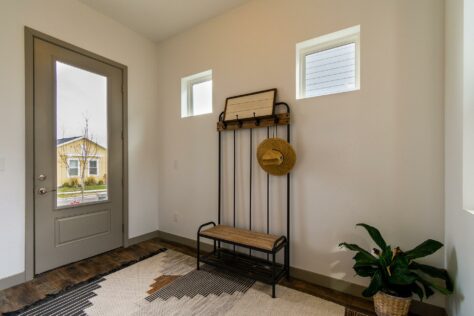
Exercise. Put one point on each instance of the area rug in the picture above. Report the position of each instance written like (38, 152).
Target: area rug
(169, 284)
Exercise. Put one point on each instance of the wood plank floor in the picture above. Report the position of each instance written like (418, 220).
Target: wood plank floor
(54, 281)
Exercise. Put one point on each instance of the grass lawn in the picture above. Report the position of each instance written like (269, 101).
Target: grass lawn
(63, 196)
(88, 188)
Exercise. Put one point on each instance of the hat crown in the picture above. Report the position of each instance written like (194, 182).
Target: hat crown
(272, 157)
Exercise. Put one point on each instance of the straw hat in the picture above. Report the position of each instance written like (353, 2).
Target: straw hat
(276, 156)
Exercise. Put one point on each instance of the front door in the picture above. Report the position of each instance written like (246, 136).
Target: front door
(78, 150)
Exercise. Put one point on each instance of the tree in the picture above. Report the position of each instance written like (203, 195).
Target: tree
(83, 151)
(86, 150)
(62, 154)
(63, 157)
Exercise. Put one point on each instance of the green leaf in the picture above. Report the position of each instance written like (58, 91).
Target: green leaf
(402, 278)
(400, 273)
(435, 273)
(375, 235)
(399, 265)
(374, 286)
(429, 284)
(386, 256)
(364, 270)
(364, 264)
(415, 288)
(426, 287)
(365, 258)
(426, 248)
(352, 247)
(364, 254)
(401, 261)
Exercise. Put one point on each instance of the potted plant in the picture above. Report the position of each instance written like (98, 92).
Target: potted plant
(395, 276)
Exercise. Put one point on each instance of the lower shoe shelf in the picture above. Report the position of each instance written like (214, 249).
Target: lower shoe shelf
(245, 265)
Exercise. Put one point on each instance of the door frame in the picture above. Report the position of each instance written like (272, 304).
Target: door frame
(30, 36)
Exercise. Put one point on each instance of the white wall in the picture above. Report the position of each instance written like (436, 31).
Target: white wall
(468, 106)
(459, 100)
(374, 156)
(75, 23)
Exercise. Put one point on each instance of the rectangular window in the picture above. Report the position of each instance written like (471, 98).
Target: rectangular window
(196, 94)
(93, 168)
(81, 134)
(73, 170)
(328, 64)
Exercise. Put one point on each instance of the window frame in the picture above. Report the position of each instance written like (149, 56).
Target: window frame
(69, 168)
(89, 167)
(322, 43)
(187, 83)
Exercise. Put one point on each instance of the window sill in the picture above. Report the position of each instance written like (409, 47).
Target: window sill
(197, 115)
(326, 94)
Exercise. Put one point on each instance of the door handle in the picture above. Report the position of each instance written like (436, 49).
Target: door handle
(44, 191)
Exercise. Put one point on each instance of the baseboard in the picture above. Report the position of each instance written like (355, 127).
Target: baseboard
(141, 238)
(12, 280)
(183, 241)
(418, 308)
(328, 282)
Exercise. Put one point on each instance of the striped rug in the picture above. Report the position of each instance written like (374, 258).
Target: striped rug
(169, 284)
(74, 302)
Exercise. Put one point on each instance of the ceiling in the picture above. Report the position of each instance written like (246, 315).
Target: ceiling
(160, 19)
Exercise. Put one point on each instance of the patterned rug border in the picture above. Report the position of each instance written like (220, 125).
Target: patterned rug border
(77, 285)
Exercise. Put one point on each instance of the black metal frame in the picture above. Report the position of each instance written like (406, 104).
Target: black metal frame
(268, 271)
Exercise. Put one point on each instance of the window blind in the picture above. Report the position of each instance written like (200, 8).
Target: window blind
(331, 71)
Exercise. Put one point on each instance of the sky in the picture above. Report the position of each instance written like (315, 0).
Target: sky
(81, 94)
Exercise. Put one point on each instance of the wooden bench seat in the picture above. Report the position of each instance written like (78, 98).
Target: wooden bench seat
(241, 236)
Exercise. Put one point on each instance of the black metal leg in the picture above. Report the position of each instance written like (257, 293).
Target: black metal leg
(287, 261)
(198, 251)
(273, 275)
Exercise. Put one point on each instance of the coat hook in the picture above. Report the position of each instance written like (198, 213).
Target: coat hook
(238, 121)
(257, 121)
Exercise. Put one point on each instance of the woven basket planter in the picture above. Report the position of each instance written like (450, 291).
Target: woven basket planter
(388, 305)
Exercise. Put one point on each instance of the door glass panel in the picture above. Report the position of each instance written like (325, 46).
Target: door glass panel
(81, 136)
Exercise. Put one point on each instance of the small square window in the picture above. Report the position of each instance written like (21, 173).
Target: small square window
(196, 94)
(328, 64)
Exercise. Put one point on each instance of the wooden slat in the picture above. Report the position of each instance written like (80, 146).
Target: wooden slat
(241, 236)
(283, 119)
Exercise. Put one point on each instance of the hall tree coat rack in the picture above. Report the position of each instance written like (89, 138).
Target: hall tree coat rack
(248, 265)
